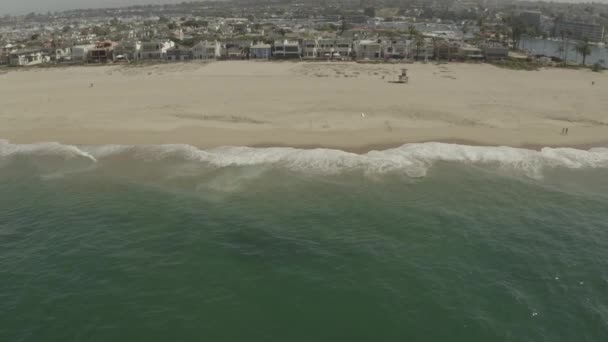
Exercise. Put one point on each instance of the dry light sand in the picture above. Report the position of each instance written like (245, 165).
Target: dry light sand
(303, 104)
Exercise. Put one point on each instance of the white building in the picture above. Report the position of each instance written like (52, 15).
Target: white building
(368, 49)
(399, 48)
(343, 47)
(127, 50)
(80, 52)
(155, 50)
(27, 58)
(63, 54)
(206, 50)
(327, 48)
(309, 48)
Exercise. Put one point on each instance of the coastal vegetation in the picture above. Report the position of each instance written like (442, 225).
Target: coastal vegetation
(516, 65)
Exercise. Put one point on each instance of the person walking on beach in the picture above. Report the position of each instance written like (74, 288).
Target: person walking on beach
(566, 130)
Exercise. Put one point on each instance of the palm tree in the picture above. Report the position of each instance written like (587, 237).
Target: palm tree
(449, 51)
(419, 43)
(435, 54)
(568, 33)
(560, 50)
(584, 48)
(516, 33)
(343, 25)
(412, 30)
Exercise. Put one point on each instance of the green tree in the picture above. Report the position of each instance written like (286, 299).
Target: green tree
(518, 29)
(195, 23)
(100, 31)
(412, 31)
(343, 25)
(465, 29)
(516, 33)
(560, 50)
(419, 41)
(584, 48)
(328, 27)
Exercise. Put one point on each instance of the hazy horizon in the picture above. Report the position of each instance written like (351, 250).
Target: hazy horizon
(41, 6)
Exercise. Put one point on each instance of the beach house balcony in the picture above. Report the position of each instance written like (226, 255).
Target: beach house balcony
(206, 50)
(26, 58)
(103, 52)
(260, 51)
(368, 49)
(286, 49)
(179, 53)
(155, 50)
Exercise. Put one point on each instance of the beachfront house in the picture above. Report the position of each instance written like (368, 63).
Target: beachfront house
(206, 50)
(396, 48)
(103, 52)
(328, 48)
(286, 49)
(343, 47)
(5, 53)
(179, 53)
(62, 54)
(127, 50)
(447, 50)
(155, 50)
(309, 48)
(334, 48)
(368, 49)
(80, 52)
(27, 57)
(260, 51)
(467, 52)
(236, 49)
(494, 51)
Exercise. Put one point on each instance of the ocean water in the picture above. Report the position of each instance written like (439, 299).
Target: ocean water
(425, 242)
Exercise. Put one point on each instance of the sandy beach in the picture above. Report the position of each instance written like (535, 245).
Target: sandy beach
(305, 104)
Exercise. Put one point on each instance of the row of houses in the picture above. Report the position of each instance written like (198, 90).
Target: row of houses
(322, 48)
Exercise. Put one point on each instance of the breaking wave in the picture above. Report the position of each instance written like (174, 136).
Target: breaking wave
(411, 159)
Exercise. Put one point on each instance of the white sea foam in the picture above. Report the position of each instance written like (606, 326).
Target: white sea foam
(50, 149)
(411, 159)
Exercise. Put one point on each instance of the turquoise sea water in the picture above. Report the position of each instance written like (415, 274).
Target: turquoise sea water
(427, 242)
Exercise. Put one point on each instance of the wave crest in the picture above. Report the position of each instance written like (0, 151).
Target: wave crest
(412, 159)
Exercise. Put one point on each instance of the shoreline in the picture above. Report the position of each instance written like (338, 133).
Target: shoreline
(352, 148)
(347, 106)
